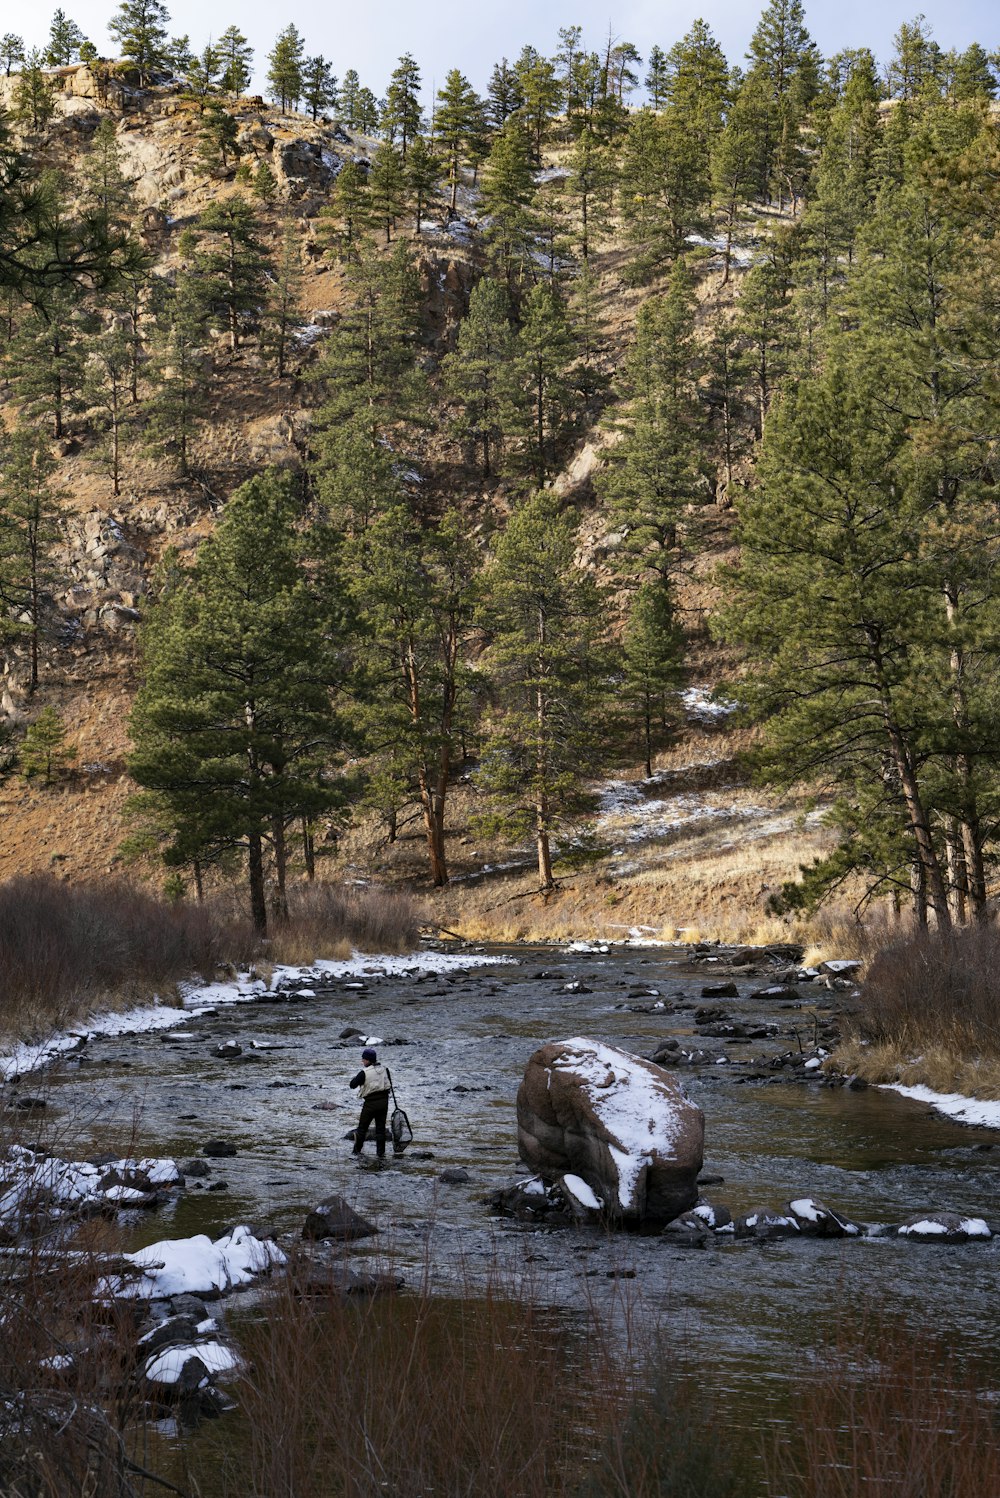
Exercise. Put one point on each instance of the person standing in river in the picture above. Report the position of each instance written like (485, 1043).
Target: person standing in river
(373, 1082)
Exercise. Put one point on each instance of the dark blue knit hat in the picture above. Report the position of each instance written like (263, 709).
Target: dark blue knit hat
(368, 1054)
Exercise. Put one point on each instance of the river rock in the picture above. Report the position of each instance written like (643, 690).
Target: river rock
(778, 991)
(944, 1227)
(218, 1149)
(720, 991)
(688, 1231)
(531, 1201)
(617, 1121)
(228, 1050)
(665, 1048)
(583, 1204)
(455, 1175)
(196, 1169)
(817, 1220)
(334, 1218)
(763, 1224)
(714, 1217)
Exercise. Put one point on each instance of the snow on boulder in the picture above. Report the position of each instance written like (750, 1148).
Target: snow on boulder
(194, 1266)
(945, 1227)
(617, 1121)
(817, 1220)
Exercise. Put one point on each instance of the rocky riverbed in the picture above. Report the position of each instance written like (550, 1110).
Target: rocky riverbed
(253, 1086)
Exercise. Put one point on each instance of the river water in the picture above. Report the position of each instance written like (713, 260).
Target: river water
(752, 1309)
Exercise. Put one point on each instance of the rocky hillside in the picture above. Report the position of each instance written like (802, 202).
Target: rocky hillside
(694, 847)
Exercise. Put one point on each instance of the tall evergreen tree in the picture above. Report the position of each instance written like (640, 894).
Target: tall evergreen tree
(236, 60)
(401, 116)
(180, 365)
(545, 351)
(387, 188)
(542, 616)
(234, 726)
(231, 267)
(285, 64)
(455, 119)
(11, 51)
(508, 191)
(422, 172)
(28, 533)
(319, 85)
(652, 659)
(503, 94)
(34, 102)
(480, 375)
(65, 40)
(140, 29)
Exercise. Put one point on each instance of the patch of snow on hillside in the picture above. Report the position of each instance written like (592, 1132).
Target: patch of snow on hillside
(701, 707)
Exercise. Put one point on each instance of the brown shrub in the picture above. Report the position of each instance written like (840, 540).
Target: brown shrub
(936, 990)
(322, 917)
(889, 1412)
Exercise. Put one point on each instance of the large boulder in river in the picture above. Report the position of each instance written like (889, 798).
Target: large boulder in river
(618, 1122)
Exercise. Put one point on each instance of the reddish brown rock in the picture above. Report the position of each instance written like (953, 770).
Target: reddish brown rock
(619, 1122)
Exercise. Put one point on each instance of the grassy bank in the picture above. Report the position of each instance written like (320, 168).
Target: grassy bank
(68, 949)
(930, 1014)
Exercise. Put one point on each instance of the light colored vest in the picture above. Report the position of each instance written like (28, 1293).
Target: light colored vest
(376, 1080)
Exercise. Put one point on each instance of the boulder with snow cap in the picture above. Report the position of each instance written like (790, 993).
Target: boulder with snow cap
(583, 1203)
(817, 1220)
(618, 1122)
(762, 1223)
(945, 1227)
(690, 1230)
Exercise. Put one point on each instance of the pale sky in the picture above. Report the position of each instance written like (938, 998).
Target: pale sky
(443, 34)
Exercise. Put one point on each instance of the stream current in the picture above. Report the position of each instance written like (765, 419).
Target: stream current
(754, 1309)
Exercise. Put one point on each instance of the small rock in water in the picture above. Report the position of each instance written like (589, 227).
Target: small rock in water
(335, 1218)
(454, 1175)
(820, 1221)
(219, 1186)
(688, 1231)
(720, 991)
(31, 1104)
(196, 1168)
(351, 1034)
(218, 1149)
(228, 1049)
(764, 1224)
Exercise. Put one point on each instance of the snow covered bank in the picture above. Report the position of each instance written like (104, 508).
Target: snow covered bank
(195, 1266)
(196, 997)
(968, 1110)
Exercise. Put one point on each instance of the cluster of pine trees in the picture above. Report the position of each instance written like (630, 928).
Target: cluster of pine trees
(816, 241)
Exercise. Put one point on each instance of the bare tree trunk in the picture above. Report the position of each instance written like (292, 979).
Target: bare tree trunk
(255, 870)
(308, 850)
(280, 901)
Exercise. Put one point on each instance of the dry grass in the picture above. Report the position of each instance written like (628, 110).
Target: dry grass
(65, 949)
(930, 1014)
(415, 1394)
(892, 1413)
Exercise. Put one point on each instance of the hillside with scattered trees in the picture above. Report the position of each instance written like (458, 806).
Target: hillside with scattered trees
(574, 501)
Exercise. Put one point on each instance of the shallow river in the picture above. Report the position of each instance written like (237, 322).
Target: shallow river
(752, 1309)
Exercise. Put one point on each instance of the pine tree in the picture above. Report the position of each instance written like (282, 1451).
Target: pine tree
(401, 118)
(203, 76)
(233, 726)
(369, 370)
(236, 60)
(65, 40)
(367, 112)
(697, 82)
(231, 267)
(34, 102)
(764, 323)
(422, 172)
(480, 377)
(107, 191)
(827, 598)
(177, 55)
(106, 386)
(503, 95)
(44, 750)
(413, 587)
(916, 66)
(664, 186)
(319, 86)
(387, 188)
(45, 359)
(283, 317)
(11, 51)
(652, 657)
(350, 91)
(140, 29)
(655, 471)
(657, 74)
(547, 667)
(264, 184)
(540, 92)
(217, 138)
(508, 191)
(284, 74)
(739, 162)
(589, 187)
(454, 121)
(28, 533)
(546, 350)
(347, 206)
(180, 365)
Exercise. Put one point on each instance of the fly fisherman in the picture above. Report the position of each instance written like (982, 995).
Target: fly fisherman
(373, 1080)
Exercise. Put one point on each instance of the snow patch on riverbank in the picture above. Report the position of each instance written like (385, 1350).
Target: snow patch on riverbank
(197, 997)
(968, 1110)
(195, 1266)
